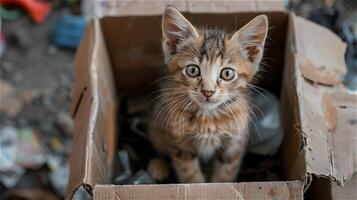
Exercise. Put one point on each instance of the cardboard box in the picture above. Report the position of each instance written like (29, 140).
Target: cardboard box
(306, 66)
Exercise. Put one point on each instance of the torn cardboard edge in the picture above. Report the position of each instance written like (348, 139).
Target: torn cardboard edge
(244, 190)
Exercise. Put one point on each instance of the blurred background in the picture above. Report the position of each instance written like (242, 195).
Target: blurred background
(38, 40)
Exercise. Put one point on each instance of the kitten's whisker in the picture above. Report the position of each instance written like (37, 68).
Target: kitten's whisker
(163, 109)
(167, 95)
(252, 87)
(253, 122)
(164, 89)
(230, 116)
(182, 114)
(240, 121)
(173, 110)
(255, 89)
(251, 104)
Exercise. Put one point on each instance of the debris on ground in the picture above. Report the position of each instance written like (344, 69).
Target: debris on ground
(36, 127)
(38, 10)
(30, 194)
(68, 31)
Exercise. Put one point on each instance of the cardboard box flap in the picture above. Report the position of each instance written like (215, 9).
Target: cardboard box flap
(140, 8)
(322, 53)
(327, 110)
(250, 190)
(93, 111)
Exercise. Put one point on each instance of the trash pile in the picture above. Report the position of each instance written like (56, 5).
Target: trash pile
(36, 79)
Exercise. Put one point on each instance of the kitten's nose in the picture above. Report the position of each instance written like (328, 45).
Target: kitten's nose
(208, 93)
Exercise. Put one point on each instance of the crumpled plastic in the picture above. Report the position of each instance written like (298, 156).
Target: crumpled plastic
(265, 132)
(126, 177)
(141, 177)
(124, 167)
(20, 149)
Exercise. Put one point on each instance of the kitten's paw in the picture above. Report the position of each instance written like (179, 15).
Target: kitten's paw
(223, 175)
(197, 178)
(158, 169)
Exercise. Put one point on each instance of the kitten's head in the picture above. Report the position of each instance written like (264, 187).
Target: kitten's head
(212, 66)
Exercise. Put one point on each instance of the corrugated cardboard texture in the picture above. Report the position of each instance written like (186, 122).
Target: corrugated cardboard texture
(93, 110)
(327, 111)
(102, 8)
(254, 190)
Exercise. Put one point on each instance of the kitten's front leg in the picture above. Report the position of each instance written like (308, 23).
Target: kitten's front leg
(227, 162)
(187, 167)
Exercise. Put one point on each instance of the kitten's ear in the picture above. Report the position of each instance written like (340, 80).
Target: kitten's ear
(176, 28)
(251, 38)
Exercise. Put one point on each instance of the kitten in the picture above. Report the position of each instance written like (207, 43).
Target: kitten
(204, 107)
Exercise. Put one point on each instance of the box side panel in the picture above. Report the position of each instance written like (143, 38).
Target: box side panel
(293, 155)
(253, 190)
(107, 103)
(326, 107)
(81, 106)
(94, 113)
(138, 61)
(322, 52)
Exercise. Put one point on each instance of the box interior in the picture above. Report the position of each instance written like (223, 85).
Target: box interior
(134, 48)
(134, 44)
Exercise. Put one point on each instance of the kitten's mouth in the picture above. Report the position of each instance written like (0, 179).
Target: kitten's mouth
(206, 103)
(210, 101)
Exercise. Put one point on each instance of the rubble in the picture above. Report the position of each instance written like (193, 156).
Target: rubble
(36, 128)
(10, 103)
(30, 194)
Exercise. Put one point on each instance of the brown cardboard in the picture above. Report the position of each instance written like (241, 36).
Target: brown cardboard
(330, 137)
(93, 112)
(293, 155)
(319, 115)
(252, 190)
(347, 192)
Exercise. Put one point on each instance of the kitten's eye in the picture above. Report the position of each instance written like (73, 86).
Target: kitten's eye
(227, 74)
(192, 70)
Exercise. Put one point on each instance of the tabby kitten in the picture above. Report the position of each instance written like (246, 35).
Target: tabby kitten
(204, 107)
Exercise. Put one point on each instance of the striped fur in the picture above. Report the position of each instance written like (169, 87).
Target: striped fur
(187, 124)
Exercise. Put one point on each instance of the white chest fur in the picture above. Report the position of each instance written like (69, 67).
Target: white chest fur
(207, 144)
